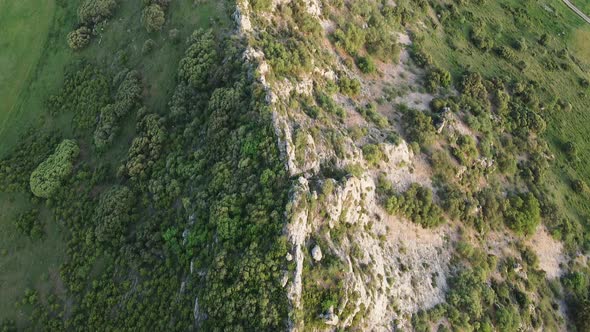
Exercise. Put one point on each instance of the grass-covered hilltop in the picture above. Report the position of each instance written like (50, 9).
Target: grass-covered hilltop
(295, 165)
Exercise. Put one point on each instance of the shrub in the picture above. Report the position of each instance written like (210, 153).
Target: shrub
(79, 38)
(148, 46)
(153, 18)
(416, 204)
(373, 154)
(351, 39)
(113, 214)
(48, 176)
(522, 213)
(437, 77)
(348, 86)
(418, 127)
(366, 65)
(95, 11)
(29, 224)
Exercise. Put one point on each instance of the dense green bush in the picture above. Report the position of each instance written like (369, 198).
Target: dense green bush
(418, 127)
(127, 97)
(416, 204)
(351, 38)
(366, 64)
(50, 174)
(95, 11)
(522, 213)
(29, 224)
(437, 78)
(198, 60)
(79, 38)
(113, 215)
(153, 18)
(85, 91)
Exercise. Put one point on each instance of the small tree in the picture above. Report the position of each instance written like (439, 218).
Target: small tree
(153, 18)
(48, 176)
(79, 38)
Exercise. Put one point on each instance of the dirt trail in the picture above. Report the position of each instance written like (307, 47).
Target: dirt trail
(579, 12)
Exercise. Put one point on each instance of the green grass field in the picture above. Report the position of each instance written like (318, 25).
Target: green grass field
(25, 26)
(583, 5)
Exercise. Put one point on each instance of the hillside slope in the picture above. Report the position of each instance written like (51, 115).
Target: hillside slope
(301, 165)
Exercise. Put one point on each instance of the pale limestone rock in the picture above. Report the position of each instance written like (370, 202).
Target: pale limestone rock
(316, 253)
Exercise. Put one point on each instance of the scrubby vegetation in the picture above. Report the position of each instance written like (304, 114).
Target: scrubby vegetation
(154, 177)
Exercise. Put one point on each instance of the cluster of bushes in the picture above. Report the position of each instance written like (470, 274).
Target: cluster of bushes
(476, 303)
(416, 203)
(373, 154)
(522, 213)
(348, 86)
(29, 224)
(127, 97)
(377, 40)
(90, 13)
(85, 92)
(437, 78)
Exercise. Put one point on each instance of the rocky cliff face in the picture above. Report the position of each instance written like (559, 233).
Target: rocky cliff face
(377, 269)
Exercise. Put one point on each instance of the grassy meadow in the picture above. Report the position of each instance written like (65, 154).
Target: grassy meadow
(25, 27)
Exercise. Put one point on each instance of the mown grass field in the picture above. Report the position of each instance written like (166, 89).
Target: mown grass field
(33, 60)
(25, 26)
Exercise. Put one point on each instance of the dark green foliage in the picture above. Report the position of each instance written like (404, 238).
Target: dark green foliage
(17, 166)
(50, 174)
(198, 61)
(418, 127)
(85, 91)
(416, 204)
(437, 78)
(366, 65)
(127, 97)
(146, 147)
(473, 86)
(522, 213)
(113, 215)
(29, 224)
(95, 11)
